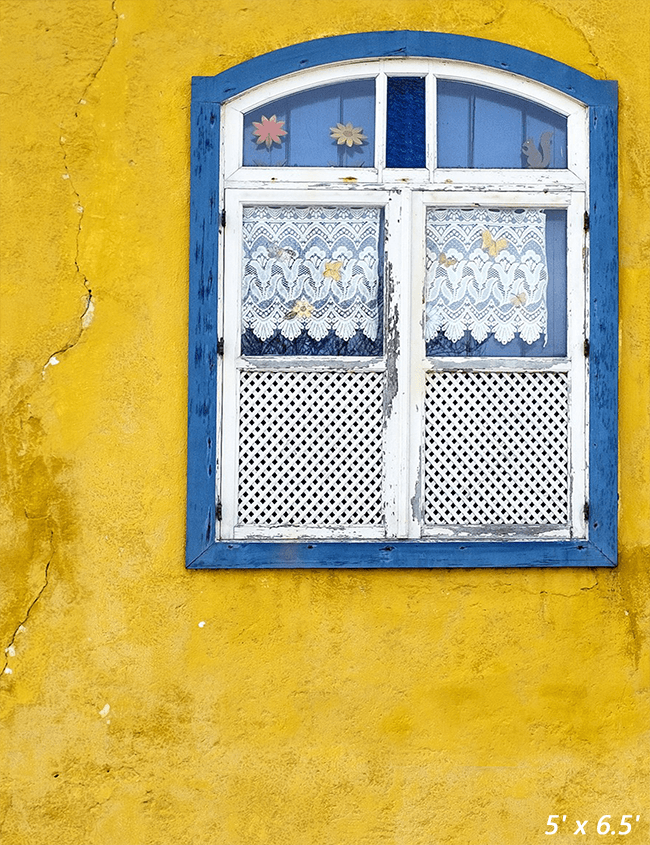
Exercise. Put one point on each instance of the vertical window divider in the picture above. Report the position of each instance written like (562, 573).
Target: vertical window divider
(418, 362)
(431, 124)
(471, 108)
(398, 363)
(380, 123)
(577, 331)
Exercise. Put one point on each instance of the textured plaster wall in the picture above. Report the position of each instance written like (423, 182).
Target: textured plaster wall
(146, 704)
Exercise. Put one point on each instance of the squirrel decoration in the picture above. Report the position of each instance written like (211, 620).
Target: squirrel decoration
(533, 155)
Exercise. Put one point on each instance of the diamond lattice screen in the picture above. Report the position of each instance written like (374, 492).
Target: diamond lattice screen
(496, 448)
(310, 448)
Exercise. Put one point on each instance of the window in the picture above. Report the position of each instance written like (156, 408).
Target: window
(402, 314)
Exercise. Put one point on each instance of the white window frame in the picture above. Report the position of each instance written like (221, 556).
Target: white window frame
(404, 194)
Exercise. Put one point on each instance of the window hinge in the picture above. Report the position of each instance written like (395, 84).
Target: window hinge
(223, 218)
(586, 223)
(220, 346)
(219, 512)
(585, 511)
(586, 347)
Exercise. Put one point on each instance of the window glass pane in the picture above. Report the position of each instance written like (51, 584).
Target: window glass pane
(481, 127)
(406, 122)
(496, 282)
(333, 126)
(312, 281)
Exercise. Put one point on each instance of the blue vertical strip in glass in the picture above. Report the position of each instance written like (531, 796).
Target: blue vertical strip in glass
(406, 122)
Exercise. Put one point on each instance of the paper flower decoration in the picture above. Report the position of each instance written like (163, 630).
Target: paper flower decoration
(347, 134)
(269, 131)
(333, 270)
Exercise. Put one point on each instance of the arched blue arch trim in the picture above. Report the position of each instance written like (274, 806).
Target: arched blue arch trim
(369, 45)
(208, 94)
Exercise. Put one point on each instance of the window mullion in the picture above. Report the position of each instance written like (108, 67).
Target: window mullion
(380, 124)
(398, 364)
(432, 117)
(418, 364)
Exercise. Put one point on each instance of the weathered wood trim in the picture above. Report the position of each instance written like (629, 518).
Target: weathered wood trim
(202, 348)
(368, 45)
(399, 554)
(603, 330)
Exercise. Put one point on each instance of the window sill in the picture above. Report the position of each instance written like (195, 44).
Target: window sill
(399, 554)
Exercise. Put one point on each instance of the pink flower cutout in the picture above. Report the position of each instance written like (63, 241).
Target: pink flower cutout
(269, 131)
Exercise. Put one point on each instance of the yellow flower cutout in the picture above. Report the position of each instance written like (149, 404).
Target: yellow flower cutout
(333, 270)
(347, 134)
(269, 131)
(301, 308)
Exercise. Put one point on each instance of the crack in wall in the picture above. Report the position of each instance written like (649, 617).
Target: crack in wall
(568, 22)
(522, 589)
(496, 18)
(10, 650)
(86, 316)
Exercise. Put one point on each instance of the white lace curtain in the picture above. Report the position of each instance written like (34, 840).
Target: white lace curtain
(486, 273)
(310, 269)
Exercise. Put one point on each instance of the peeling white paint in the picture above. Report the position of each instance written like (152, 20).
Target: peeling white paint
(10, 651)
(105, 710)
(8, 671)
(88, 315)
(51, 363)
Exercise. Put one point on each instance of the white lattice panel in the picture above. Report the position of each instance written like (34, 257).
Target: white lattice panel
(310, 449)
(496, 448)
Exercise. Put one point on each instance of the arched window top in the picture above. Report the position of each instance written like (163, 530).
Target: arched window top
(397, 113)
(374, 117)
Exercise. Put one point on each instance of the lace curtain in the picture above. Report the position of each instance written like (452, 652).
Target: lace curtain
(486, 273)
(311, 269)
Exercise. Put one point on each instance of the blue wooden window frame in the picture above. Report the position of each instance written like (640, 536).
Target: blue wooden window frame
(208, 95)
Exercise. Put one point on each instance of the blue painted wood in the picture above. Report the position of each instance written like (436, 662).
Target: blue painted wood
(208, 95)
(202, 349)
(603, 364)
(399, 554)
(441, 45)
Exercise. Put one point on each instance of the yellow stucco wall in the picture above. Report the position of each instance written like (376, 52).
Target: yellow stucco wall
(143, 703)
